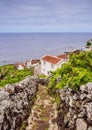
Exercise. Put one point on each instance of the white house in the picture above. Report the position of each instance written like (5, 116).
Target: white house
(88, 48)
(28, 64)
(35, 62)
(32, 63)
(51, 63)
(20, 66)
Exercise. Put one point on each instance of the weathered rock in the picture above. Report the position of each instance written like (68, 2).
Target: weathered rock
(81, 125)
(16, 101)
(75, 109)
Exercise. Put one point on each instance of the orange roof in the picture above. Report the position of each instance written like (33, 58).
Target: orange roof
(51, 59)
(63, 56)
(17, 64)
(34, 61)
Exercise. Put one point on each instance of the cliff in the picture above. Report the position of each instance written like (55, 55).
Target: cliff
(75, 109)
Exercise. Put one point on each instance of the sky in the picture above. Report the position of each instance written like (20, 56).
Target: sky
(45, 15)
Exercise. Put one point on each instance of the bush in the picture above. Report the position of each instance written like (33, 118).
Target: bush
(11, 75)
(89, 43)
(76, 72)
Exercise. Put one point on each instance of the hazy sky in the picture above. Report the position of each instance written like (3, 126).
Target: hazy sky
(45, 15)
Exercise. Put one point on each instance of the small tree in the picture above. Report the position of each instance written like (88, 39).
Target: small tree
(89, 43)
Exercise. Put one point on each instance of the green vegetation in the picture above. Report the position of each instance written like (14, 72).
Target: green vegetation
(89, 43)
(9, 74)
(42, 76)
(76, 72)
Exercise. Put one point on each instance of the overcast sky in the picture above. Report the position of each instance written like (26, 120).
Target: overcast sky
(45, 15)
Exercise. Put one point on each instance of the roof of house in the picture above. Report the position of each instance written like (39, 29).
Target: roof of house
(18, 64)
(51, 59)
(34, 61)
(63, 56)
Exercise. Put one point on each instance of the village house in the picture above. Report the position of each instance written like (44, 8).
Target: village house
(88, 48)
(51, 63)
(20, 66)
(32, 63)
(35, 62)
(28, 64)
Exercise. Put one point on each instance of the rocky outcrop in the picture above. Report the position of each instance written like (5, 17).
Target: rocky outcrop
(75, 110)
(16, 101)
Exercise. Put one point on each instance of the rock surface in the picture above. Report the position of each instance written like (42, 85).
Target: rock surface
(16, 101)
(75, 110)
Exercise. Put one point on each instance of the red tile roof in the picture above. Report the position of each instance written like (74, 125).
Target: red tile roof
(51, 59)
(17, 64)
(34, 61)
(63, 56)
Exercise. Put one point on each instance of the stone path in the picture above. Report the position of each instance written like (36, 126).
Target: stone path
(43, 115)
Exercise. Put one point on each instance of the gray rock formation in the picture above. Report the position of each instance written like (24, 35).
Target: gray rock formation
(15, 103)
(75, 110)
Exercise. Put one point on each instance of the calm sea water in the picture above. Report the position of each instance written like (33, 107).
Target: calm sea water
(17, 47)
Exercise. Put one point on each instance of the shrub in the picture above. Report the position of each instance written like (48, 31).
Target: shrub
(12, 75)
(76, 72)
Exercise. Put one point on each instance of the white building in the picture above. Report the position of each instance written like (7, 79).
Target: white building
(35, 62)
(28, 64)
(88, 48)
(51, 63)
(19, 66)
(32, 63)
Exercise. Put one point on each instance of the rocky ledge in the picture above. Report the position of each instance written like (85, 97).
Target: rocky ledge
(75, 110)
(16, 101)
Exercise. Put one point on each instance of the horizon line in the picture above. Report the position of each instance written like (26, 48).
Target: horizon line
(45, 32)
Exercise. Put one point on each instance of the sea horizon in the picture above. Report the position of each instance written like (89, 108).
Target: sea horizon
(18, 47)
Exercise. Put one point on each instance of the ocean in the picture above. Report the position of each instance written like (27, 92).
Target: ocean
(19, 47)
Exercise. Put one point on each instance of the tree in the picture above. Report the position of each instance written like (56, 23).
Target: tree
(89, 43)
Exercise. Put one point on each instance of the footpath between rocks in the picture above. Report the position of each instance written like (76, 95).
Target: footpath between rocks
(43, 114)
(17, 100)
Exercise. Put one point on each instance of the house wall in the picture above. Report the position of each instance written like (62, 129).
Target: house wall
(88, 49)
(46, 67)
(61, 63)
(37, 70)
(29, 64)
(20, 67)
(34, 65)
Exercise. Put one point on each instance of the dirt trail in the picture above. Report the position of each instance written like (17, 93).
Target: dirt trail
(43, 115)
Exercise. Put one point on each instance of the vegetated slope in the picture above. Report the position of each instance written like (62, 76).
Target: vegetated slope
(9, 74)
(76, 72)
